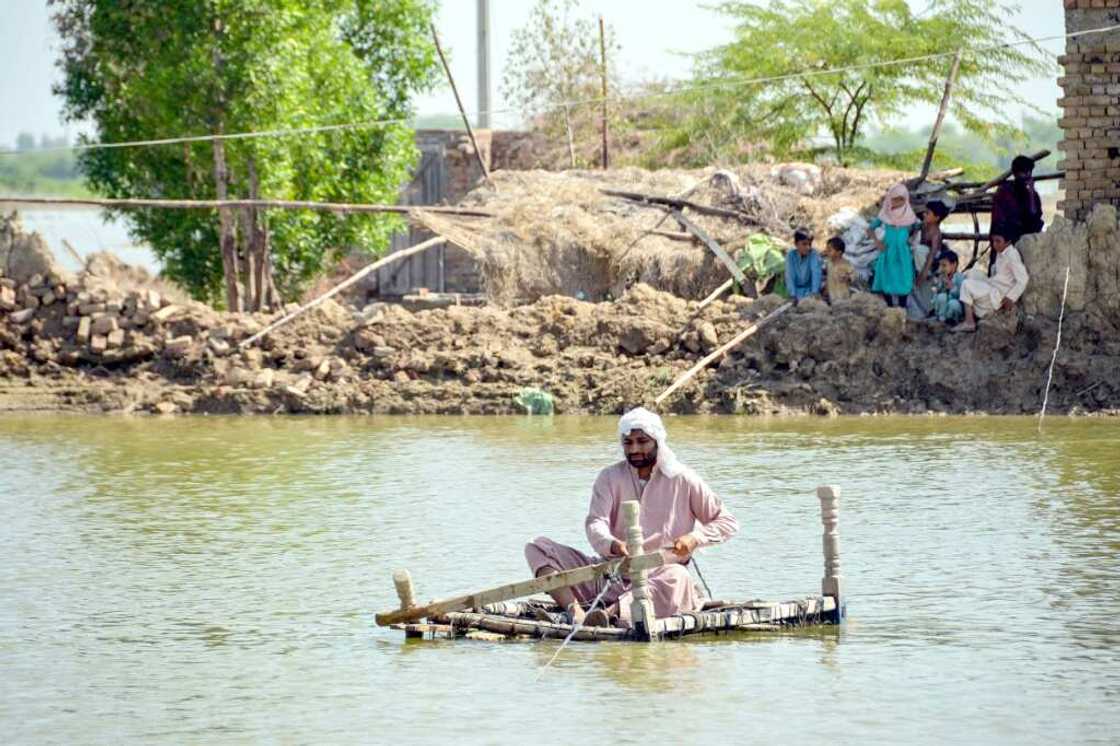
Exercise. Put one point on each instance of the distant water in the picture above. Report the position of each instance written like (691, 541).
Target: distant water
(88, 231)
(213, 580)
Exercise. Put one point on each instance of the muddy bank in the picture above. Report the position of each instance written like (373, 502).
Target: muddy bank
(112, 340)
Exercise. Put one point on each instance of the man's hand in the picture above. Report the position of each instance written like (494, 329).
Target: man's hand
(618, 549)
(684, 546)
(1007, 304)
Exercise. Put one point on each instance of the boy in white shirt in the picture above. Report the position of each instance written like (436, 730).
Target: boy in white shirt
(983, 296)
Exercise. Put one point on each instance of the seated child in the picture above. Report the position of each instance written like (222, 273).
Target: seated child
(840, 273)
(947, 289)
(981, 296)
(803, 267)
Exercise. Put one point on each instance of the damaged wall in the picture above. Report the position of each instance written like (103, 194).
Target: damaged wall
(1091, 108)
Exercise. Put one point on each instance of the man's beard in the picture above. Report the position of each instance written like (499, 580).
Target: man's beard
(639, 461)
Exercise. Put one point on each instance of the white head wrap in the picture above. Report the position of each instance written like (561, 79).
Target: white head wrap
(650, 424)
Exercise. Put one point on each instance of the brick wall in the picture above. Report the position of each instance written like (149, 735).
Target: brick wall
(1090, 108)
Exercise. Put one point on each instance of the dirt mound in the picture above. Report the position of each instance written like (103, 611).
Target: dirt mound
(559, 233)
(109, 340)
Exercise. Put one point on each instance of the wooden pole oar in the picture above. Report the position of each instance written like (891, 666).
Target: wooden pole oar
(520, 589)
(718, 353)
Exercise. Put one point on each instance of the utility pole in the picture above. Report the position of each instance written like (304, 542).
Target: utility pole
(484, 64)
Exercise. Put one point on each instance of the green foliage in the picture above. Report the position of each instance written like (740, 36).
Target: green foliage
(554, 59)
(788, 36)
(763, 259)
(981, 157)
(32, 172)
(185, 67)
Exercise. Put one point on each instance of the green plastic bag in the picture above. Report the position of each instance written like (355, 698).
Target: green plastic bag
(535, 401)
(761, 259)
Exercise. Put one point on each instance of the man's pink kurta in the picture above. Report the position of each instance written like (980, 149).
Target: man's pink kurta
(670, 508)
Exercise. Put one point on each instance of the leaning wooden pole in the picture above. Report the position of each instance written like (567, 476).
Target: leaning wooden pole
(603, 80)
(642, 617)
(832, 584)
(716, 294)
(982, 190)
(733, 268)
(720, 352)
(462, 111)
(394, 257)
(940, 117)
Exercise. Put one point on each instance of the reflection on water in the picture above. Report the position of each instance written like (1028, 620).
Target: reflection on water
(214, 579)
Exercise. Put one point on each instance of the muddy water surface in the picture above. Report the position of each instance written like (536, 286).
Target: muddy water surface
(213, 580)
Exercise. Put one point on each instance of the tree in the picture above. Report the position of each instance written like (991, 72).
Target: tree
(141, 71)
(786, 37)
(554, 60)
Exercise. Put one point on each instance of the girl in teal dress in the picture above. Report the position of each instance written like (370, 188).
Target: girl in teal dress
(894, 269)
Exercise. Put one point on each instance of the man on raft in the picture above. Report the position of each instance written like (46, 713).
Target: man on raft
(679, 514)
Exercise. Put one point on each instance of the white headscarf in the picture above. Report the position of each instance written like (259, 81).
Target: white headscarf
(899, 216)
(650, 424)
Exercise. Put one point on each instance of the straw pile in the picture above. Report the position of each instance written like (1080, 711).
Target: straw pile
(558, 233)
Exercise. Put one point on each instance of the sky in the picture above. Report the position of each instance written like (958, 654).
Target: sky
(656, 38)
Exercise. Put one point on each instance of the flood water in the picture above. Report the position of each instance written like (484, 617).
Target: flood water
(213, 580)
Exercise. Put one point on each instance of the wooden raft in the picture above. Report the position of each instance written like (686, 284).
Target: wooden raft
(504, 612)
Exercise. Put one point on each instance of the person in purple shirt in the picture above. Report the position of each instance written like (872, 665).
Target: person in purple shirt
(803, 267)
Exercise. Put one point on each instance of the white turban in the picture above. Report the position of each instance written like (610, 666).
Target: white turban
(650, 424)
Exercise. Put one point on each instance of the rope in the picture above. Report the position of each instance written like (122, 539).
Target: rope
(576, 627)
(563, 104)
(1054, 359)
(696, 566)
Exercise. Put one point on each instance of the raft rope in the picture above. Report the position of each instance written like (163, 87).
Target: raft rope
(1057, 344)
(576, 627)
(696, 566)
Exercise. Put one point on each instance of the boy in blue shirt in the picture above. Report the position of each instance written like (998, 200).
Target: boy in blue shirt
(803, 267)
(947, 289)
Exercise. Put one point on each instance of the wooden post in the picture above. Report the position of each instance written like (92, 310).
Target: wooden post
(603, 78)
(462, 111)
(641, 608)
(403, 582)
(940, 118)
(832, 584)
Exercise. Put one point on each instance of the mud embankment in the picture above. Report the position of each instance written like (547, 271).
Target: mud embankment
(108, 340)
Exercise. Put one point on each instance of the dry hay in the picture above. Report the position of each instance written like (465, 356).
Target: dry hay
(557, 233)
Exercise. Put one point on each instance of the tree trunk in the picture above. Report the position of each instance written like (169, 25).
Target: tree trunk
(227, 240)
(261, 265)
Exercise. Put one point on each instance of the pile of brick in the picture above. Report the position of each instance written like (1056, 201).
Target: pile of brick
(88, 319)
(1091, 108)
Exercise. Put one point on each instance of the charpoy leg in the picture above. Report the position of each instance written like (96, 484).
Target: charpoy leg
(672, 591)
